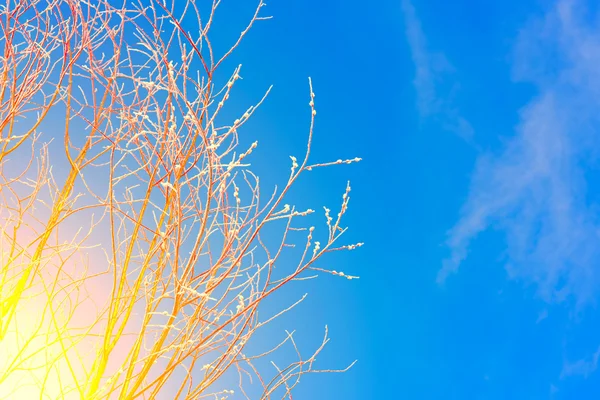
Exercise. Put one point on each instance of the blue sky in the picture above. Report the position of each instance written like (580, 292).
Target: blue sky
(477, 197)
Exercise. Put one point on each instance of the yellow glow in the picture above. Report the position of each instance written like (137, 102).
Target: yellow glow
(47, 358)
(34, 358)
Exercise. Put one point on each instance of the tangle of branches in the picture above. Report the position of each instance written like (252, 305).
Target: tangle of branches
(136, 248)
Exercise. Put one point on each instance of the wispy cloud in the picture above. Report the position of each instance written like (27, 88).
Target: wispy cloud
(434, 78)
(536, 189)
(583, 367)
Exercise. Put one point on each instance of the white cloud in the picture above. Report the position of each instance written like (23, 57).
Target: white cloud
(535, 190)
(583, 367)
(434, 82)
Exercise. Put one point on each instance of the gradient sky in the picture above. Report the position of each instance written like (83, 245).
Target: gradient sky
(478, 194)
(477, 197)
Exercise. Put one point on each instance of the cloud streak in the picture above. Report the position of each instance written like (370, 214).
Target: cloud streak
(434, 82)
(536, 189)
(584, 367)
